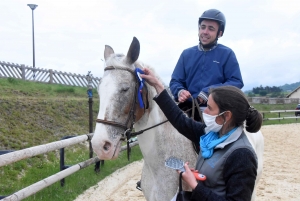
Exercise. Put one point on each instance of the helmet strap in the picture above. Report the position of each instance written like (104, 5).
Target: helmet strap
(210, 45)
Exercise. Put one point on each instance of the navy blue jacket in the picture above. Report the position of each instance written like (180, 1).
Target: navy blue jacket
(198, 70)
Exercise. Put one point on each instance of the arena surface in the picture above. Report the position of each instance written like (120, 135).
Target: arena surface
(280, 180)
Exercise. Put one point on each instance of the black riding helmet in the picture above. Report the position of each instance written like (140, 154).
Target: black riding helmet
(214, 14)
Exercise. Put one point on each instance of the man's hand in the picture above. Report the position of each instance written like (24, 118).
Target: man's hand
(184, 95)
(201, 101)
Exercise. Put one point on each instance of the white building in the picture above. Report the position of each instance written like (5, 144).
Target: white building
(295, 93)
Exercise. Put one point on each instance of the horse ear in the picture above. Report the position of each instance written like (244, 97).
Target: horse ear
(133, 52)
(108, 51)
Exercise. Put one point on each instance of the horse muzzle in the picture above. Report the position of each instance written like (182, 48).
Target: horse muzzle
(106, 149)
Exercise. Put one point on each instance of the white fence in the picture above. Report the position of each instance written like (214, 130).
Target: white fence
(45, 75)
(264, 100)
(279, 115)
(15, 156)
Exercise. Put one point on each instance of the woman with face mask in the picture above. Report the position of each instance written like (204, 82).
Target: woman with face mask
(226, 156)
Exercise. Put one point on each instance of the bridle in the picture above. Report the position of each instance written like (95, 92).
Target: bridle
(128, 125)
(131, 114)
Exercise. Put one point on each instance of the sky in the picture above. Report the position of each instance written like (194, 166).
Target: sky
(70, 35)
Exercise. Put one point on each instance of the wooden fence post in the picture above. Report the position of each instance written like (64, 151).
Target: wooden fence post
(51, 76)
(23, 71)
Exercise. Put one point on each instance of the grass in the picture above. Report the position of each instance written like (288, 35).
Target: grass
(75, 184)
(16, 87)
(266, 108)
(37, 113)
(32, 114)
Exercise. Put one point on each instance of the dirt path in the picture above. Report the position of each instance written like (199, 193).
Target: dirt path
(280, 180)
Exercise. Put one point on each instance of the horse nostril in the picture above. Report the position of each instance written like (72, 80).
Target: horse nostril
(106, 146)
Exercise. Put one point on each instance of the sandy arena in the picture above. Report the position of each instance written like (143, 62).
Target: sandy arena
(280, 180)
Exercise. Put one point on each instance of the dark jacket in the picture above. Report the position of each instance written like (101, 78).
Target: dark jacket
(239, 170)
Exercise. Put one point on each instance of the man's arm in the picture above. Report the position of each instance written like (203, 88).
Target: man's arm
(178, 79)
(232, 75)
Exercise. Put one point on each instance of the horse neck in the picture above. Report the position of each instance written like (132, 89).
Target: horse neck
(151, 141)
(153, 114)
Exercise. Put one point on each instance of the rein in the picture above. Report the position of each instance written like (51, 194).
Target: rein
(195, 103)
(141, 131)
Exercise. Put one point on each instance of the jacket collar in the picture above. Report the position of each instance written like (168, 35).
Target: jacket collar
(200, 48)
(232, 138)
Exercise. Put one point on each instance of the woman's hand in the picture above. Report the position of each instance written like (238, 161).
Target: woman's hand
(152, 80)
(188, 176)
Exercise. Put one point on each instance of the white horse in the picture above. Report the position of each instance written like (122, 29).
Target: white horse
(120, 110)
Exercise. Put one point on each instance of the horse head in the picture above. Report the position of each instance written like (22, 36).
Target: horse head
(118, 94)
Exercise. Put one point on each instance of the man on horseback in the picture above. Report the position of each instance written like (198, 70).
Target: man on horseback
(207, 65)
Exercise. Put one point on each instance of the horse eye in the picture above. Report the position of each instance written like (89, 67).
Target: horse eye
(124, 89)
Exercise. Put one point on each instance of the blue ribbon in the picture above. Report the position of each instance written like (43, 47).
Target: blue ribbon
(141, 85)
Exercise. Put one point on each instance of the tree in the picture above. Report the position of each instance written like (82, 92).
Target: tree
(263, 92)
(266, 90)
(250, 94)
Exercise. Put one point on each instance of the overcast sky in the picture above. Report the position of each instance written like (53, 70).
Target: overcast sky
(70, 35)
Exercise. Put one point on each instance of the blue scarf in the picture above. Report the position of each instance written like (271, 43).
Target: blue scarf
(210, 140)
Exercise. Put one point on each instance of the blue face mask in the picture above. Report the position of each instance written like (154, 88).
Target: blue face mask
(211, 124)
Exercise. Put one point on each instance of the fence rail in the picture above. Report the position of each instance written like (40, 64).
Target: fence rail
(264, 100)
(279, 115)
(45, 75)
(34, 188)
(15, 156)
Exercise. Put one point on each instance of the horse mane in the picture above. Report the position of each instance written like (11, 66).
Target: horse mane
(119, 60)
(142, 65)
